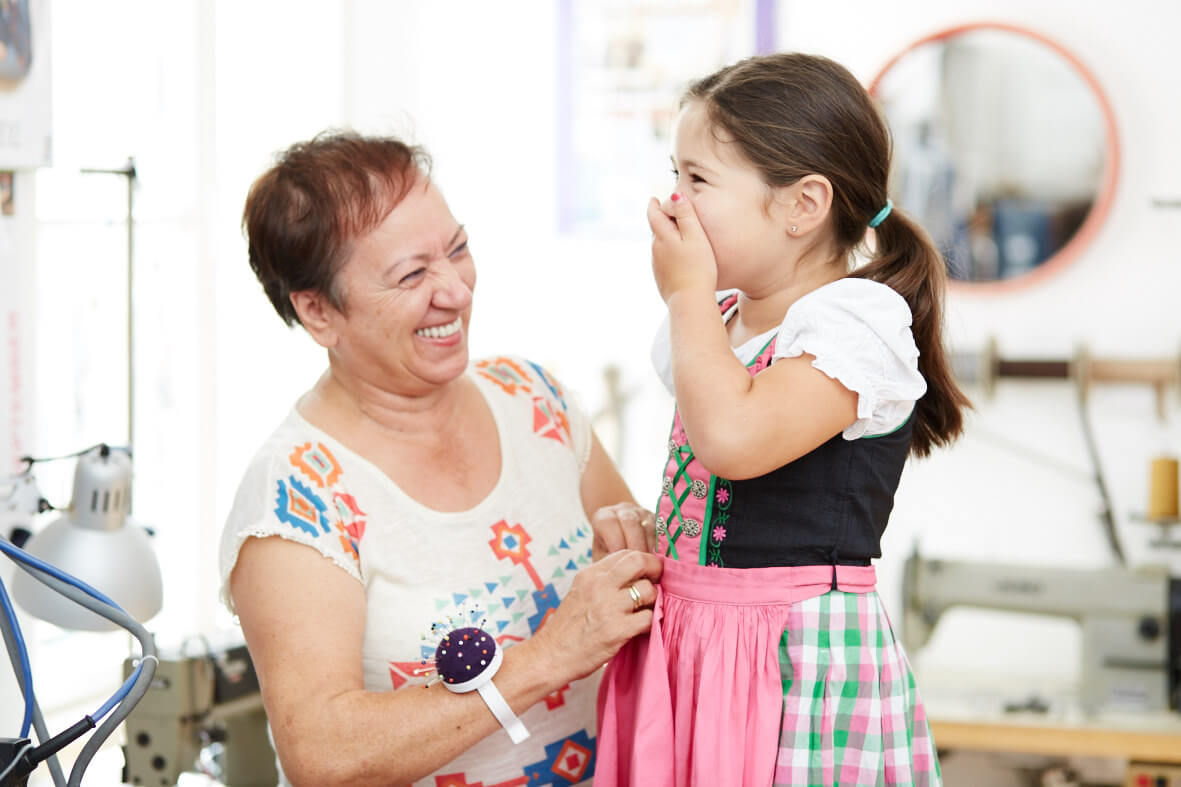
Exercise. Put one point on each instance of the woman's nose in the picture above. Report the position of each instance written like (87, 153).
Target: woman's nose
(452, 291)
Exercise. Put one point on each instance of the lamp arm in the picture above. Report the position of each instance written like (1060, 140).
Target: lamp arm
(147, 669)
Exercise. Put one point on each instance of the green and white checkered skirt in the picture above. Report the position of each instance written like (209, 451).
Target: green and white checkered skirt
(852, 716)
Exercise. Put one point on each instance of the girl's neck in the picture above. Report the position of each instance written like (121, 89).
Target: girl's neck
(761, 310)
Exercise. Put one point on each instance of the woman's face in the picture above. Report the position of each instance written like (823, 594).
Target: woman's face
(407, 294)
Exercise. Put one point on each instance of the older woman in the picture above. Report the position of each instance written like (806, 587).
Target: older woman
(411, 492)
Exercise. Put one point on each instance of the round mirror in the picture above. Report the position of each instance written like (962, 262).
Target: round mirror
(1004, 149)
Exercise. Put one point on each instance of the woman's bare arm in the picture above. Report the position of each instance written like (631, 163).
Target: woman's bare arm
(304, 621)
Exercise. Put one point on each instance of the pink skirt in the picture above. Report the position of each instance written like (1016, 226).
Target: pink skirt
(700, 699)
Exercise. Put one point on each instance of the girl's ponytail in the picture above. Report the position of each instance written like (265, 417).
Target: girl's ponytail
(907, 262)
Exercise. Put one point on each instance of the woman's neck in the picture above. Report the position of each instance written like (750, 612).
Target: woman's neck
(346, 402)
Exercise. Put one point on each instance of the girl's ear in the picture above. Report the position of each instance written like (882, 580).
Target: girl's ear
(811, 200)
(317, 316)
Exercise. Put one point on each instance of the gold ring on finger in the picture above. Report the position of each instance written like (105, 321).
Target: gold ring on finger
(634, 592)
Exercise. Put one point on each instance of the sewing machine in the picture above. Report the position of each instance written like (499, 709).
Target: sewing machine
(200, 708)
(1130, 620)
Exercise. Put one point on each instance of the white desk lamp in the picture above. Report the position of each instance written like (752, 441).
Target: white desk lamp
(96, 542)
(93, 570)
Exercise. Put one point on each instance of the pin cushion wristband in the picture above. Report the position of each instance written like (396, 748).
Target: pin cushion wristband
(466, 659)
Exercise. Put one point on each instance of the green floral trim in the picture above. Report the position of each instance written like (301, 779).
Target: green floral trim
(721, 494)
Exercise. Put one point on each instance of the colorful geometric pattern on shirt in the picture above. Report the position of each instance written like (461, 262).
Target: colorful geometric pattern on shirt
(567, 761)
(511, 543)
(507, 374)
(851, 713)
(550, 383)
(460, 780)
(300, 506)
(502, 598)
(551, 422)
(550, 418)
(317, 463)
(351, 519)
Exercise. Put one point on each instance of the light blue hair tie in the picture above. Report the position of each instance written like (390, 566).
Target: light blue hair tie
(882, 214)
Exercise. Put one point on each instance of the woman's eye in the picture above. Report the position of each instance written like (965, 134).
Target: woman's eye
(413, 276)
(696, 179)
(458, 251)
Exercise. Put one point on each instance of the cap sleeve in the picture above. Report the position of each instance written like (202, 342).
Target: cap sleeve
(859, 332)
(282, 495)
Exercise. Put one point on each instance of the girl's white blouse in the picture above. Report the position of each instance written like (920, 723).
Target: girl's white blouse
(859, 334)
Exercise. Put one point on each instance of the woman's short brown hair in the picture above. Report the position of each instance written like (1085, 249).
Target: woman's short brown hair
(303, 214)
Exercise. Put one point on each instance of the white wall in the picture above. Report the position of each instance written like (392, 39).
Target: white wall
(17, 398)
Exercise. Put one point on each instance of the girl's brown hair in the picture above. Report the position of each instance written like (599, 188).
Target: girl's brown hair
(793, 115)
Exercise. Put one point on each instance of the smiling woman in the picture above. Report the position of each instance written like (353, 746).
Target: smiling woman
(408, 484)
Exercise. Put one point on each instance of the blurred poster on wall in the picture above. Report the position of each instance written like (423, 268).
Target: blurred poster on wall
(622, 69)
(16, 309)
(25, 117)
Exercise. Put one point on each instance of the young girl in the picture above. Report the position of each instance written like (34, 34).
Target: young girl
(799, 397)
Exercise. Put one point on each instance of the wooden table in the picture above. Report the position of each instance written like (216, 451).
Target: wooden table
(1141, 737)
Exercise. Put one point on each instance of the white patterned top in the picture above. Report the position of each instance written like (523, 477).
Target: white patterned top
(509, 560)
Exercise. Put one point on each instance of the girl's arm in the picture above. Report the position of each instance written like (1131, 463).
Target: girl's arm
(739, 426)
(304, 621)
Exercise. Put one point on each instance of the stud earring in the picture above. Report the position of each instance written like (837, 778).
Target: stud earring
(794, 228)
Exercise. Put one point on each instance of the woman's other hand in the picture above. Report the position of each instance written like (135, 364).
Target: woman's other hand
(599, 614)
(622, 526)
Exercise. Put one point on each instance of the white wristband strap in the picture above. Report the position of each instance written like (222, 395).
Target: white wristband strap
(466, 660)
(503, 713)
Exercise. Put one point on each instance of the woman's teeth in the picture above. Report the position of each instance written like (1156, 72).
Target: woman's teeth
(440, 331)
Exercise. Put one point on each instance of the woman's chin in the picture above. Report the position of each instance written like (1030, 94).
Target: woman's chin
(444, 364)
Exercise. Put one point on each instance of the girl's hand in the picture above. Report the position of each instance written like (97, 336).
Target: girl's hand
(682, 258)
(622, 526)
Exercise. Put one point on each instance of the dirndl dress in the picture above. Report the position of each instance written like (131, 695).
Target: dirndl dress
(760, 676)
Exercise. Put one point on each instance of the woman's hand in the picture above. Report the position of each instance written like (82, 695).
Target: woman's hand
(682, 257)
(598, 615)
(622, 526)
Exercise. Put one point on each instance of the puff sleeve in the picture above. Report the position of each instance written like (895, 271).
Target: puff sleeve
(859, 332)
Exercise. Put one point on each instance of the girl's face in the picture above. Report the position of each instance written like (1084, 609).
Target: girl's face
(745, 220)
